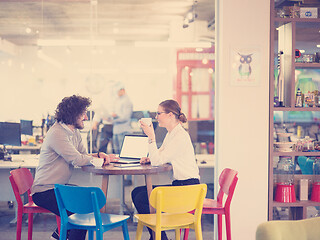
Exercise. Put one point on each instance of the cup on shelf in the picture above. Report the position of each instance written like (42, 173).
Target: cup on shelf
(315, 193)
(285, 193)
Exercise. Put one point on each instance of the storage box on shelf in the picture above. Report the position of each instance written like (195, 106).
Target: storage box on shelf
(293, 54)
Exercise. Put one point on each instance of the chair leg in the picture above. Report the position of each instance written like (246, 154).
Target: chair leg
(90, 235)
(178, 230)
(125, 231)
(30, 225)
(19, 224)
(228, 225)
(158, 233)
(186, 234)
(99, 235)
(63, 233)
(58, 223)
(219, 227)
(139, 231)
(198, 231)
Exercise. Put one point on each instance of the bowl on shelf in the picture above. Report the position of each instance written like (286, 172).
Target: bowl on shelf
(284, 146)
(284, 137)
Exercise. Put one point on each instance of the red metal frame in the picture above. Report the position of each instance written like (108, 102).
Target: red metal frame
(191, 64)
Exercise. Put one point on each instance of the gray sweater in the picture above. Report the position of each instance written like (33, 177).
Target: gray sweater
(61, 150)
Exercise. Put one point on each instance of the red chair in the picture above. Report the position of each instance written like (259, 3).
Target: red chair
(21, 180)
(227, 181)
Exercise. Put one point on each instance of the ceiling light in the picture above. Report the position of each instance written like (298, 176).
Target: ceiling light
(172, 44)
(28, 30)
(318, 46)
(75, 42)
(189, 16)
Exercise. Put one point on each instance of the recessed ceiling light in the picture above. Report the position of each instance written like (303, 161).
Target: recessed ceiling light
(28, 30)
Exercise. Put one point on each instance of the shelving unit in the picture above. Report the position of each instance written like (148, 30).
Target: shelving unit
(283, 36)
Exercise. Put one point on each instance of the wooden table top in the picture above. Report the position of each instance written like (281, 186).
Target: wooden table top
(112, 169)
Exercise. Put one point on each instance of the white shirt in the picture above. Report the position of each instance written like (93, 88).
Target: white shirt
(176, 149)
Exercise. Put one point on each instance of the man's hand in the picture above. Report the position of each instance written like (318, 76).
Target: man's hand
(144, 160)
(113, 158)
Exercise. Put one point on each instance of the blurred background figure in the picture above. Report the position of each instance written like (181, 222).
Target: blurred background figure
(101, 131)
(121, 116)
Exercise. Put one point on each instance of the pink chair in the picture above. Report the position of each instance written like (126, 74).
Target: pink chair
(21, 180)
(227, 181)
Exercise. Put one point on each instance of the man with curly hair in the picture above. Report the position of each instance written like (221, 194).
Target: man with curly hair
(61, 150)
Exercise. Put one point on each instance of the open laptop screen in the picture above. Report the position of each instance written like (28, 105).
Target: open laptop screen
(134, 146)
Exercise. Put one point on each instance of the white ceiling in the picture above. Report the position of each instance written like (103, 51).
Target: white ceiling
(119, 20)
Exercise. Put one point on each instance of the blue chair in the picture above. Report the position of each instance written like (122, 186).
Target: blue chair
(85, 203)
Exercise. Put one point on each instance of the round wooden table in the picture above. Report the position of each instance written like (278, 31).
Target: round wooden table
(112, 169)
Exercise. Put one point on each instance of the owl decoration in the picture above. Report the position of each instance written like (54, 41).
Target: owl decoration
(244, 67)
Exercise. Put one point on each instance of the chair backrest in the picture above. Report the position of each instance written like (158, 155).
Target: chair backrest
(227, 181)
(289, 229)
(21, 181)
(178, 199)
(79, 199)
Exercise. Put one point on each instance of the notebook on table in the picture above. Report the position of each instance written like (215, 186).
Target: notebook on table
(133, 148)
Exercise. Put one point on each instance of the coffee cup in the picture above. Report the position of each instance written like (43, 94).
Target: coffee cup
(147, 121)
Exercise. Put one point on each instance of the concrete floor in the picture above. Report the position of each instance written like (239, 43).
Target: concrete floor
(44, 225)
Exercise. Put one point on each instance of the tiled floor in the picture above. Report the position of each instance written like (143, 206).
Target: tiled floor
(44, 224)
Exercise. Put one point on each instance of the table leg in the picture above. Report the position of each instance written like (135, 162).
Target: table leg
(149, 189)
(104, 187)
(148, 180)
(122, 202)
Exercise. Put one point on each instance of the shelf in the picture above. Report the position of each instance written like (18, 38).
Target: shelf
(285, 20)
(292, 154)
(296, 109)
(286, 35)
(298, 203)
(307, 65)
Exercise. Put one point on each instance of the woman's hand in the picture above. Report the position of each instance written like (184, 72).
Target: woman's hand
(144, 160)
(148, 130)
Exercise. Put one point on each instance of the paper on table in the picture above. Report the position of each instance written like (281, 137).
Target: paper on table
(97, 162)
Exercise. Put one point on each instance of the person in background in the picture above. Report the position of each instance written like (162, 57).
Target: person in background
(176, 149)
(121, 117)
(103, 134)
(61, 150)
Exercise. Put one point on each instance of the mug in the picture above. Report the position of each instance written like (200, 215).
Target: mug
(147, 121)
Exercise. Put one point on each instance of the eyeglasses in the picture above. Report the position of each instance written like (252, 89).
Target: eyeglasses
(158, 113)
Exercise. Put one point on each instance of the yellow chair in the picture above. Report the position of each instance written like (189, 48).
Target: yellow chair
(173, 204)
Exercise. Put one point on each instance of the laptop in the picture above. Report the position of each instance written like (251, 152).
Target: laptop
(133, 148)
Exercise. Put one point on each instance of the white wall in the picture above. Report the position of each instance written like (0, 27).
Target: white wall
(242, 113)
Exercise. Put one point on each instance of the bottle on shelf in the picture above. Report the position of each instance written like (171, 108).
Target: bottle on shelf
(298, 98)
(280, 79)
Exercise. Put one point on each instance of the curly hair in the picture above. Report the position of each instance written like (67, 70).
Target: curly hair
(173, 106)
(70, 108)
